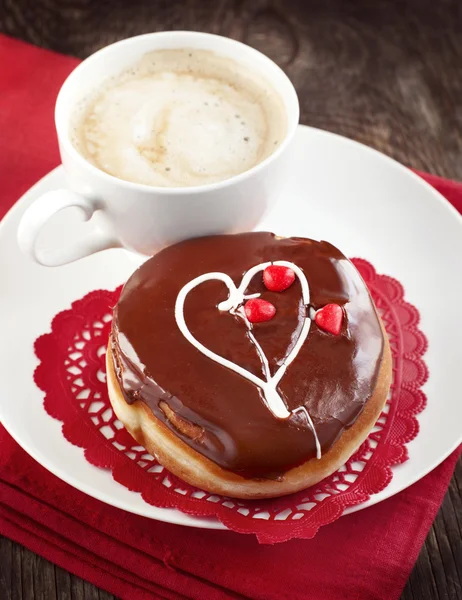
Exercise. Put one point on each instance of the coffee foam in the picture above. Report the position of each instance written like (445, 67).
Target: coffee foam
(180, 118)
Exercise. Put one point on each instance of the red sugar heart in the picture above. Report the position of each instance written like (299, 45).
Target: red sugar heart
(278, 278)
(258, 311)
(330, 318)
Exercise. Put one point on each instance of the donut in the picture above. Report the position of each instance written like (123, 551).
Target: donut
(249, 365)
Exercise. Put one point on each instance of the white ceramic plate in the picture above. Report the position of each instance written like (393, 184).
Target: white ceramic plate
(365, 203)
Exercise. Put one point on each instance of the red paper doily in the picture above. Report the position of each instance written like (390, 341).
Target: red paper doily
(72, 375)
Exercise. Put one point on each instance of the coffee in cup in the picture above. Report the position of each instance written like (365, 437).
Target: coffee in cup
(163, 137)
(180, 118)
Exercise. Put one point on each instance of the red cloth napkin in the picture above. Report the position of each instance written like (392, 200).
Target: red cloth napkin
(366, 555)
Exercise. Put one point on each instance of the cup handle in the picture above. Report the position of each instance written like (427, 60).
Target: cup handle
(42, 210)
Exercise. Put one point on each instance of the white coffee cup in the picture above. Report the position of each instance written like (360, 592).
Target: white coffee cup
(145, 218)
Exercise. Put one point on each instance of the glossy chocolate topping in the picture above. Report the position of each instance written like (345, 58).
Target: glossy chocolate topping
(225, 416)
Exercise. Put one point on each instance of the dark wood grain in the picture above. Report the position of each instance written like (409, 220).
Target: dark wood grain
(387, 73)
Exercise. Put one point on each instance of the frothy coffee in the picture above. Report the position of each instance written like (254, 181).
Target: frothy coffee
(180, 118)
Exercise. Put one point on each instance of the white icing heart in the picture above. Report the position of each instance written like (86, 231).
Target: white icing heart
(234, 305)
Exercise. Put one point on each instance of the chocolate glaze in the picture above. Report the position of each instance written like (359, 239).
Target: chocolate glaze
(332, 376)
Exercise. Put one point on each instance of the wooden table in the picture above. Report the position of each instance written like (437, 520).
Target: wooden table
(387, 73)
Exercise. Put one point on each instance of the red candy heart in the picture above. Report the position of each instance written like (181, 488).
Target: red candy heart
(330, 318)
(258, 311)
(278, 278)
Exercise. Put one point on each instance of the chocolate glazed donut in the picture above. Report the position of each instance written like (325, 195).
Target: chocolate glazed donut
(214, 427)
